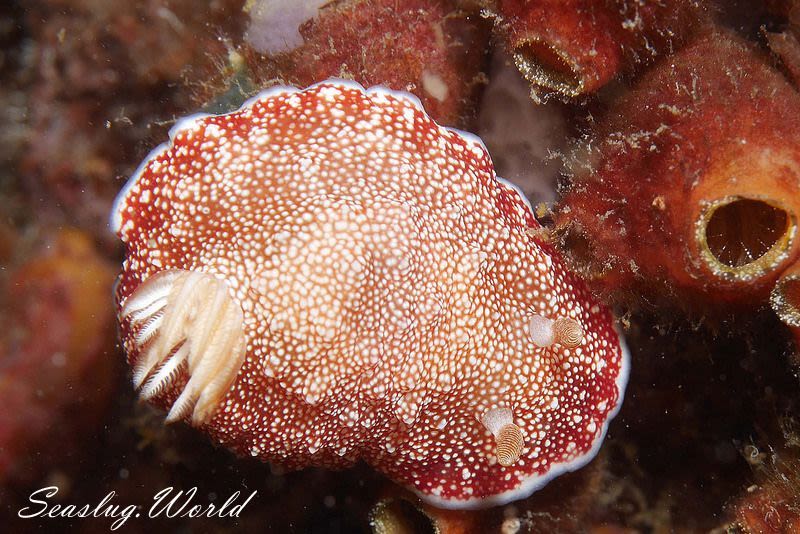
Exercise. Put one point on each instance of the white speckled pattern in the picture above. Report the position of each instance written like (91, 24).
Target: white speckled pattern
(387, 280)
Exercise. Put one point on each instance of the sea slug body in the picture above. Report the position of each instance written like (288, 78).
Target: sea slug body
(327, 275)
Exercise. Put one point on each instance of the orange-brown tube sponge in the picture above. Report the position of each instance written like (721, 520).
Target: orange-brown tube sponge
(691, 183)
(573, 47)
(427, 47)
(772, 506)
(786, 44)
(785, 301)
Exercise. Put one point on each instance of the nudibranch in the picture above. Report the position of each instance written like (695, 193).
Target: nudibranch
(327, 275)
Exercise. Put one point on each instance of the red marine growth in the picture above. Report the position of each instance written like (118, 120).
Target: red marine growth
(689, 188)
(326, 275)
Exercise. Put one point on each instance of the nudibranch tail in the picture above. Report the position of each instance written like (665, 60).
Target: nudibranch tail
(186, 320)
